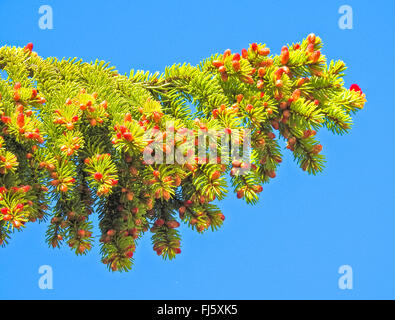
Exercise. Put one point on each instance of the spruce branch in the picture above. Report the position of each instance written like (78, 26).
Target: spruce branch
(148, 151)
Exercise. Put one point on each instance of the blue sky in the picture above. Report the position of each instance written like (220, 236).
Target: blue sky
(290, 245)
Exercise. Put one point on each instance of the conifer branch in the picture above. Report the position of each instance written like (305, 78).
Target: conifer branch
(79, 139)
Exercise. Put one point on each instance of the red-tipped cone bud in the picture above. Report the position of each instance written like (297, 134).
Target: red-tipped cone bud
(29, 47)
(98, 176)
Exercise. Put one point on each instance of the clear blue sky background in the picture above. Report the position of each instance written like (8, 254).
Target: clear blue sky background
(292, 243)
